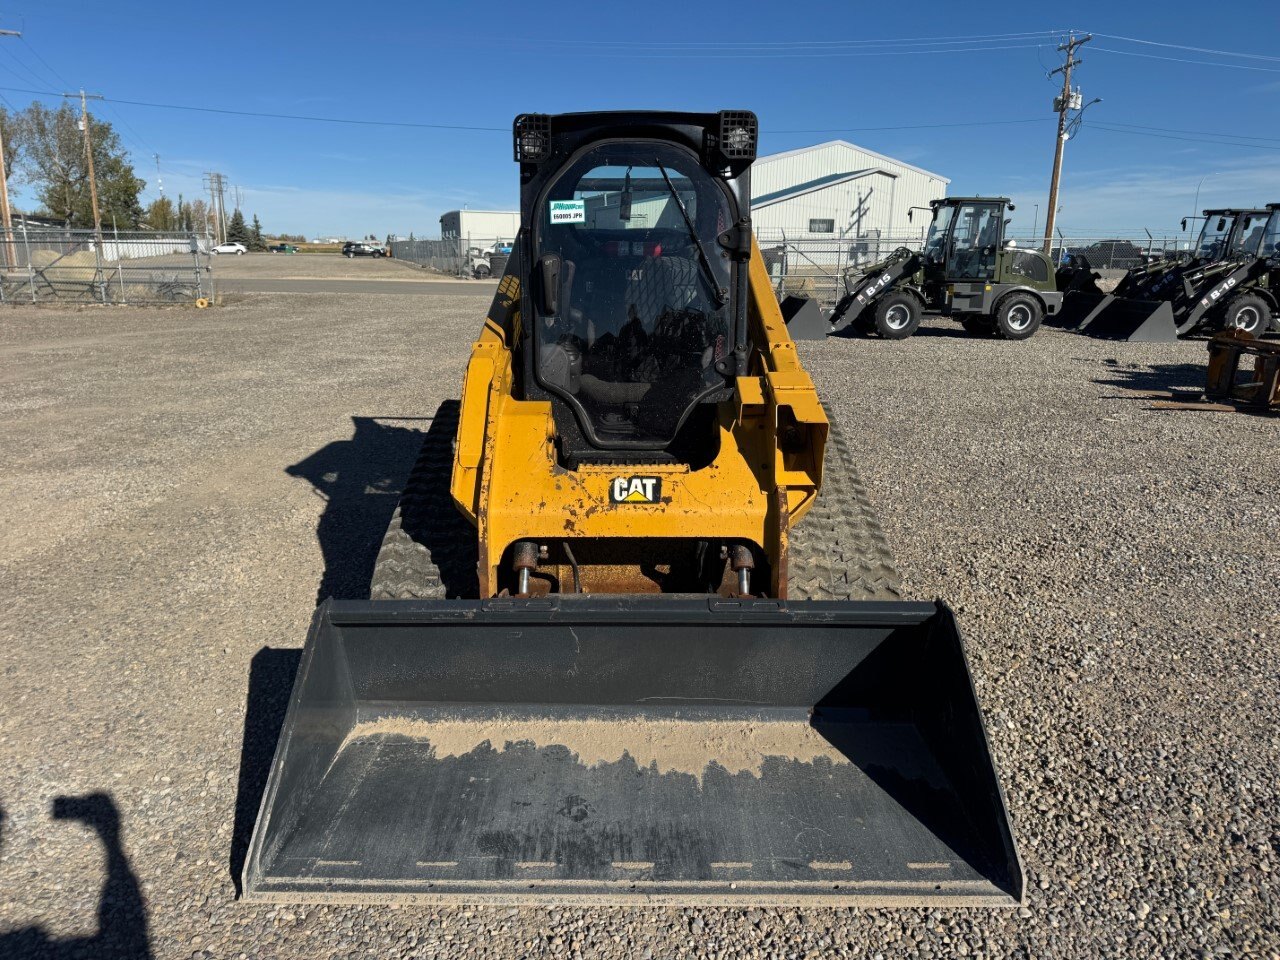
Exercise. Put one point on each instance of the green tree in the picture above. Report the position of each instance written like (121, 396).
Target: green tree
(52, 159)
(160, 214)
(11, 128)
(195, 217)
(256, 241)
(237, 230)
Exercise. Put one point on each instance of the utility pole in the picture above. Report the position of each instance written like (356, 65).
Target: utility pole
(1062, 105)
(6, 214)
(217, 183)
(88, 152)
(222, 205)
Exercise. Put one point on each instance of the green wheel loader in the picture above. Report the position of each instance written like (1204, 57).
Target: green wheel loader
(1187, 296)
(965, 271)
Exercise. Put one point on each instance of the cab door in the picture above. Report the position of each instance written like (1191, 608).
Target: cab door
(975, 243)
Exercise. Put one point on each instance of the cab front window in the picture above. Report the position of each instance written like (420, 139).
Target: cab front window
(641, 316)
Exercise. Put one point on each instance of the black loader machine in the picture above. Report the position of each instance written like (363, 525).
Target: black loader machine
(619, 647)
(1181, 297)
(964, 271)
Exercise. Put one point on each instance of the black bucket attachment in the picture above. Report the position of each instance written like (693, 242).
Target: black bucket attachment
(805, 319)
(1078, 309)
(1118, 318)
(614, 750)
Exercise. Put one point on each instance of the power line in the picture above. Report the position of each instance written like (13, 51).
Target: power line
(1203, 63)
(433, 126)
(29, 74)
(275, 116)
(914, 126)
(138, 140)
(1179, 46)
(437, 126)
(805, 54)
(1203, 133)
(1102, 125)
(35, 53)
(12, 72)
(694, 45)
(698, 45)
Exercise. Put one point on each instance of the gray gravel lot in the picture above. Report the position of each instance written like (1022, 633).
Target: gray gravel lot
(180, 486)
(333, 273)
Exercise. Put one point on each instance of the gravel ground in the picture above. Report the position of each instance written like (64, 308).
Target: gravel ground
(320, 266)
(180, 486)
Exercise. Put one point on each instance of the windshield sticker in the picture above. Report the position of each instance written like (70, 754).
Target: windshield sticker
(568, 211)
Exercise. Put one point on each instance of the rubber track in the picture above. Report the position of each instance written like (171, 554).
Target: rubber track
(430, 549)
(838, 551)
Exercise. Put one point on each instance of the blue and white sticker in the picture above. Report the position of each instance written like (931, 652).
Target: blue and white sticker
(568, 211)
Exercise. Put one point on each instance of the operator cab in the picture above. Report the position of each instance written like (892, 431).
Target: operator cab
(639, 324)
(1247, 235)
(965, 237)
(639, 237)
(1229, 233)
(1213, 234)
(1270, 246)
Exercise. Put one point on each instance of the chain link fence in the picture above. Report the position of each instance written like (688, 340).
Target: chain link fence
(46, 265)
(821, 268)
(824, 269)
(457, 256)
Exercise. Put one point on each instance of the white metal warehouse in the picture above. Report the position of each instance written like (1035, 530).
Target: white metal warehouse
(839, 191)
(480, 228)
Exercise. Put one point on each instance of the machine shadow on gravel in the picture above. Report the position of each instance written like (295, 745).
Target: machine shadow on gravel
(1161, 376)
(122, 912)
(271, 674)
(360, 480)
(953, 331)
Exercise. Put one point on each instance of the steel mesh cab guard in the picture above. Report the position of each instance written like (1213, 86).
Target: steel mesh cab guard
(624, 749)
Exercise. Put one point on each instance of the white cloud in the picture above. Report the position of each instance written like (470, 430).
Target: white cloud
(1157, 196)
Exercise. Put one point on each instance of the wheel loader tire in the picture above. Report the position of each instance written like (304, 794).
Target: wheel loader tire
(1247, 312)
(897, 316)
(430, 549)
(1017, 316)
(838, 551)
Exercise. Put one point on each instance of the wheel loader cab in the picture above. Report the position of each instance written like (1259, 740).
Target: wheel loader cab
(1270, 245)
(1246, 238)
(976, 229)
(964, 239)
(1213, 235)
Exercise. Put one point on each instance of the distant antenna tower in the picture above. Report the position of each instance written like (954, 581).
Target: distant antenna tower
(159, 181)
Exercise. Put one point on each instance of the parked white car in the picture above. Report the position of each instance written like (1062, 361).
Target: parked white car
(238, 248)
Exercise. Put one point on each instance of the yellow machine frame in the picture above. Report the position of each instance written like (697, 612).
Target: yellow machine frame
(507, 481)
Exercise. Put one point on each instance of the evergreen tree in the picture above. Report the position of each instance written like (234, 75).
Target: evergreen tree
(160, 214)
(238, 230)
(256, 241)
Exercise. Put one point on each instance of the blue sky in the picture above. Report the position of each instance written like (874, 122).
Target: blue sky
(802, 66)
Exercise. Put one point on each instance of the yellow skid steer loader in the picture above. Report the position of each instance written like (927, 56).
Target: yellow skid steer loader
(618, 648)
